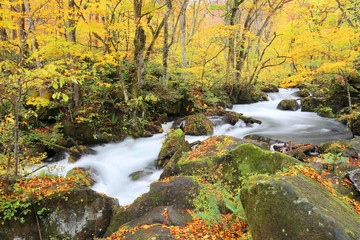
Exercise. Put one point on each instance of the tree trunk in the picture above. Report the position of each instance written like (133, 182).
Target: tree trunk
(31, 32)
(139, 44)
(72, 38)
(155, 37)
(166, 45)
(16, 127)
(183, 35)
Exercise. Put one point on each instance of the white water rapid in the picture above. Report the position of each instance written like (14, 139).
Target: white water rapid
(116, 161)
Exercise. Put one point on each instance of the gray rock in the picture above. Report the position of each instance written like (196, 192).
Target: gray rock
(296, 208)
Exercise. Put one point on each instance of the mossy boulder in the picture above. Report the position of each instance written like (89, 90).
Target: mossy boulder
(173, 141)
(270, 88)
(353, 120)
(303, 93)
(205, 159)
(177, 192)
(310, 104)
(288, 104)
(170, 168)
(198, 125)
(296, 207)
(79, 214)
(248, 159)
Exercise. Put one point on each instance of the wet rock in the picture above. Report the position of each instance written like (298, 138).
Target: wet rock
(173, 141)
(177, 192)
(288, 104)
(248, 159)
(198, 125)
(259, 138)
(233, 117)
(296, 207)
(154, 127)
(354, 177)
(81, 214)
(270, 88)
(310, 104)
(139, 174)
(302, 151)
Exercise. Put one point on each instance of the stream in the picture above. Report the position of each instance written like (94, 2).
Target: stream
(114, 162)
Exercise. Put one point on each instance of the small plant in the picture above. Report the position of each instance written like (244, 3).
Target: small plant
(214, 201)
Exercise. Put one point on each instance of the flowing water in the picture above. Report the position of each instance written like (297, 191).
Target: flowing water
(114, 162)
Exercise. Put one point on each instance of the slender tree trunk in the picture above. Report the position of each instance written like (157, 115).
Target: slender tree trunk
(16, 127)
(139, 44)
(231, 41)
(72, 38)
(3, 34)
(153, 40)
(183, 35)
(348, 94)
(166, 44)
(31, 32)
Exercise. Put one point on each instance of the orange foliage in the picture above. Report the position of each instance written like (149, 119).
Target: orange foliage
(197, 229)
(294, 170)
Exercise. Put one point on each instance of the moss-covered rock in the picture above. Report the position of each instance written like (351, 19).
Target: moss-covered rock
(177, 192)
(303, 93)
(79, 214)
(170, 168)
(310, 104)
(173, 141)
(248, 159)
(198, 125)
(205, 159)
(296, 207)
(353, 120)
(82, 174)
(270, 88)
(288, 104)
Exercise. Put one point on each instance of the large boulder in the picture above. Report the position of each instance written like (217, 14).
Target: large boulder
(248, 159)
(296, 207)
(288, 104)
(198, 125)
(173, 141)
(310, 104)
(79, 214)
(208, 155)
(177, 192)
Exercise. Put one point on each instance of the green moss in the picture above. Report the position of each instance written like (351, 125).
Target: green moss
(296, 207)
(198, 166)
(198, 125)
(248, 159)
(174, 140)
